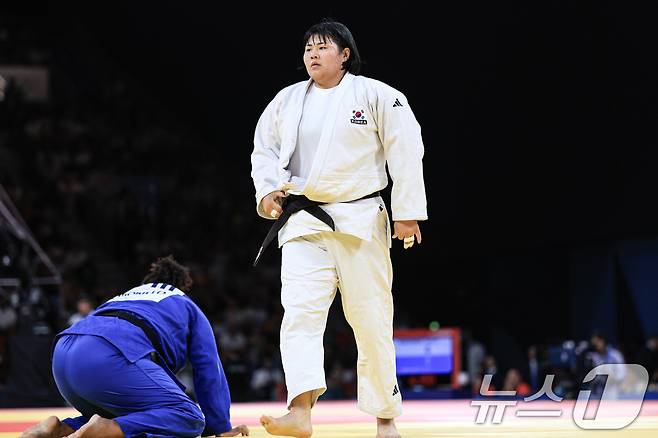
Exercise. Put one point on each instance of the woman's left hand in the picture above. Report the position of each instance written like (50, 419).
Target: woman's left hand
(408, 231)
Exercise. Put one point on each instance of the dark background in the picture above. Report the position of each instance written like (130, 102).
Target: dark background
(539, 121)
(539, 124)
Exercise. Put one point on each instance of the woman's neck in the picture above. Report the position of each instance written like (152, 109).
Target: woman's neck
(331, 83)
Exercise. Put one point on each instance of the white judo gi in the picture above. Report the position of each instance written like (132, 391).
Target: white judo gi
(366, 126)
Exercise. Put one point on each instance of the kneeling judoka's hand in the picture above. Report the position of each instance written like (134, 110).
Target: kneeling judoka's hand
(407, 231)
(241, 430)
(272, 203)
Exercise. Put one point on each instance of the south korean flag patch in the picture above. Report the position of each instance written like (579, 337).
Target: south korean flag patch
(359, 117)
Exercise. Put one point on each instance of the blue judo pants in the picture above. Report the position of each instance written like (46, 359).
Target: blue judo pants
(95, 378)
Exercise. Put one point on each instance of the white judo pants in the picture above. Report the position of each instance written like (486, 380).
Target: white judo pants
(312, 267)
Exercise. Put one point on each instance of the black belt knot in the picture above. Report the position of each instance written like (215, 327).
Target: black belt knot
(291, 205)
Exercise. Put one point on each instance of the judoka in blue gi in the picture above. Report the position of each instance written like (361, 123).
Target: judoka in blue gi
(117, 366)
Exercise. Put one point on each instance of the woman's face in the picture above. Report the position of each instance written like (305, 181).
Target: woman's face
(324, 60)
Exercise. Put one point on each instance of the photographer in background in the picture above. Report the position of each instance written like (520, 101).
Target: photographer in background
(600, 352)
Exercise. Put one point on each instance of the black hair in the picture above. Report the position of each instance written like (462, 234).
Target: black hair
(341, 35)
(85, 297)
(167, 270)
(599, 334)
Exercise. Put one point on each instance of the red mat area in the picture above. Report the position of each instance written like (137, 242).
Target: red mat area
(15, 427)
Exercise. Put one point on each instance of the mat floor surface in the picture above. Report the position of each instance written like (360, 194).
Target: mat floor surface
(453, 418)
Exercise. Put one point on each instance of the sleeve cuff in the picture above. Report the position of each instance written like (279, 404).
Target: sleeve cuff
(410, 217)
(217, 429)
(75, 423)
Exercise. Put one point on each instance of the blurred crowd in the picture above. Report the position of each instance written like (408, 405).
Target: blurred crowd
(562, 368)
(107, 183)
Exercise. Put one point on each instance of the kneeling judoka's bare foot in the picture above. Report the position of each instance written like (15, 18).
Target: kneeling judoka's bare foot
(386, 429)
(98, 427)
(51, 427)
(296, 423)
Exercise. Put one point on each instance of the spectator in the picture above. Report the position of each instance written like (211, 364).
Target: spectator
(599, 353)
(84, 307)
(648, 356)
(8, 319)
(475, 354)
(265, 380)
(487, 367)
(8, 315)
(232, 340)
(602, 352)
(514, 382)
(535, 370)
(490, 366)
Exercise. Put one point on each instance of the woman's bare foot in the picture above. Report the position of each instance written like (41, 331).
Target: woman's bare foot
(386, 428)
(296, 423)
(98, 426)
(51, 427)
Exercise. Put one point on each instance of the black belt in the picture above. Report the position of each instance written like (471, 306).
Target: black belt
(291, 205)
(146, 328)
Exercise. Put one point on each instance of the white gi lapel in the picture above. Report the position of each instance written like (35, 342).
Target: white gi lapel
(327, 134)
(292, 121)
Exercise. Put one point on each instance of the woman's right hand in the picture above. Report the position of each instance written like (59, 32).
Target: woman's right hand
(272, 203)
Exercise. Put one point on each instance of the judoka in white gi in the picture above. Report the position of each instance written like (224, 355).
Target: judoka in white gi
(329, 139)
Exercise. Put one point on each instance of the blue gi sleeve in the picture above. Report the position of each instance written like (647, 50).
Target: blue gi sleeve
(210, 385)
(75, 423)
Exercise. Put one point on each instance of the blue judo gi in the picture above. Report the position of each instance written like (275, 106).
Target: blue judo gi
(103, 365)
